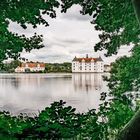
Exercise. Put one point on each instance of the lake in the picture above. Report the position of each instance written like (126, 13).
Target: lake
(30, 93)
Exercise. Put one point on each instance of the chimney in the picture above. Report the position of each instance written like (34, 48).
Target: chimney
(86, 55)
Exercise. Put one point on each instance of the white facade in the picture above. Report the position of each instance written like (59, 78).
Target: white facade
(87, 65)
(30, 67)
(19, 69)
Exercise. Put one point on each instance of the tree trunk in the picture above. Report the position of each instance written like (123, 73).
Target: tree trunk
(136, 4)
(132, 130)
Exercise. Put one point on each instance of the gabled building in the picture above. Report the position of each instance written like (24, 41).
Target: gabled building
(30, 67)
(87, 64)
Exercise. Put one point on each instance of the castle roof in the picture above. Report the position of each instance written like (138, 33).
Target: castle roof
(99, 59)
(87, 59)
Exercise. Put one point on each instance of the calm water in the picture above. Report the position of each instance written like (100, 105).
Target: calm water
(33, 92)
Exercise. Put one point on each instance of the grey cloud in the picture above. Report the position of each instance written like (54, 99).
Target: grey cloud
(73, 41)
(76, 17)
(48, 56)
(54, 58)
(69, 41)
(81, 51)
(68, 35)
(16, 28)
(51, 44)
(65, 43)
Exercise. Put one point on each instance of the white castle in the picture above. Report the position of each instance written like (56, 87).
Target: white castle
(87, 64)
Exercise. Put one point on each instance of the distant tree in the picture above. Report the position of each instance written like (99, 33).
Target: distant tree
(10, 66)
(58, 67)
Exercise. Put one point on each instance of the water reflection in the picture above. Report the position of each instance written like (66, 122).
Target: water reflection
(87, 82)
(33, 92)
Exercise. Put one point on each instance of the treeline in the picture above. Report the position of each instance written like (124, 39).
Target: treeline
(58, 67)
(10, 67)
(49, 67)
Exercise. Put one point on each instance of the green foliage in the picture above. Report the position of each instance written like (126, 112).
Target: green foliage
(58, 67)
(123, 93)
(10, 67)
(136, 4)
(54, 122)
(58, 122)
(122, 30)
(125, 73)
(119, 26)
(23, 12)
(61, 122)
(115, 18)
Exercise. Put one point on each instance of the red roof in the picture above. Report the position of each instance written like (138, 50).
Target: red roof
(87, 59)
(32, 65)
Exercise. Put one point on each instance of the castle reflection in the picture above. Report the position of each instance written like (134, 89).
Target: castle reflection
(87, 81)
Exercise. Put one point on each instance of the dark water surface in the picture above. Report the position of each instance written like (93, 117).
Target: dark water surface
(33, 92)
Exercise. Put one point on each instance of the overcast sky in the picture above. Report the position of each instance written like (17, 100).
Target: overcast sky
(68, 35)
